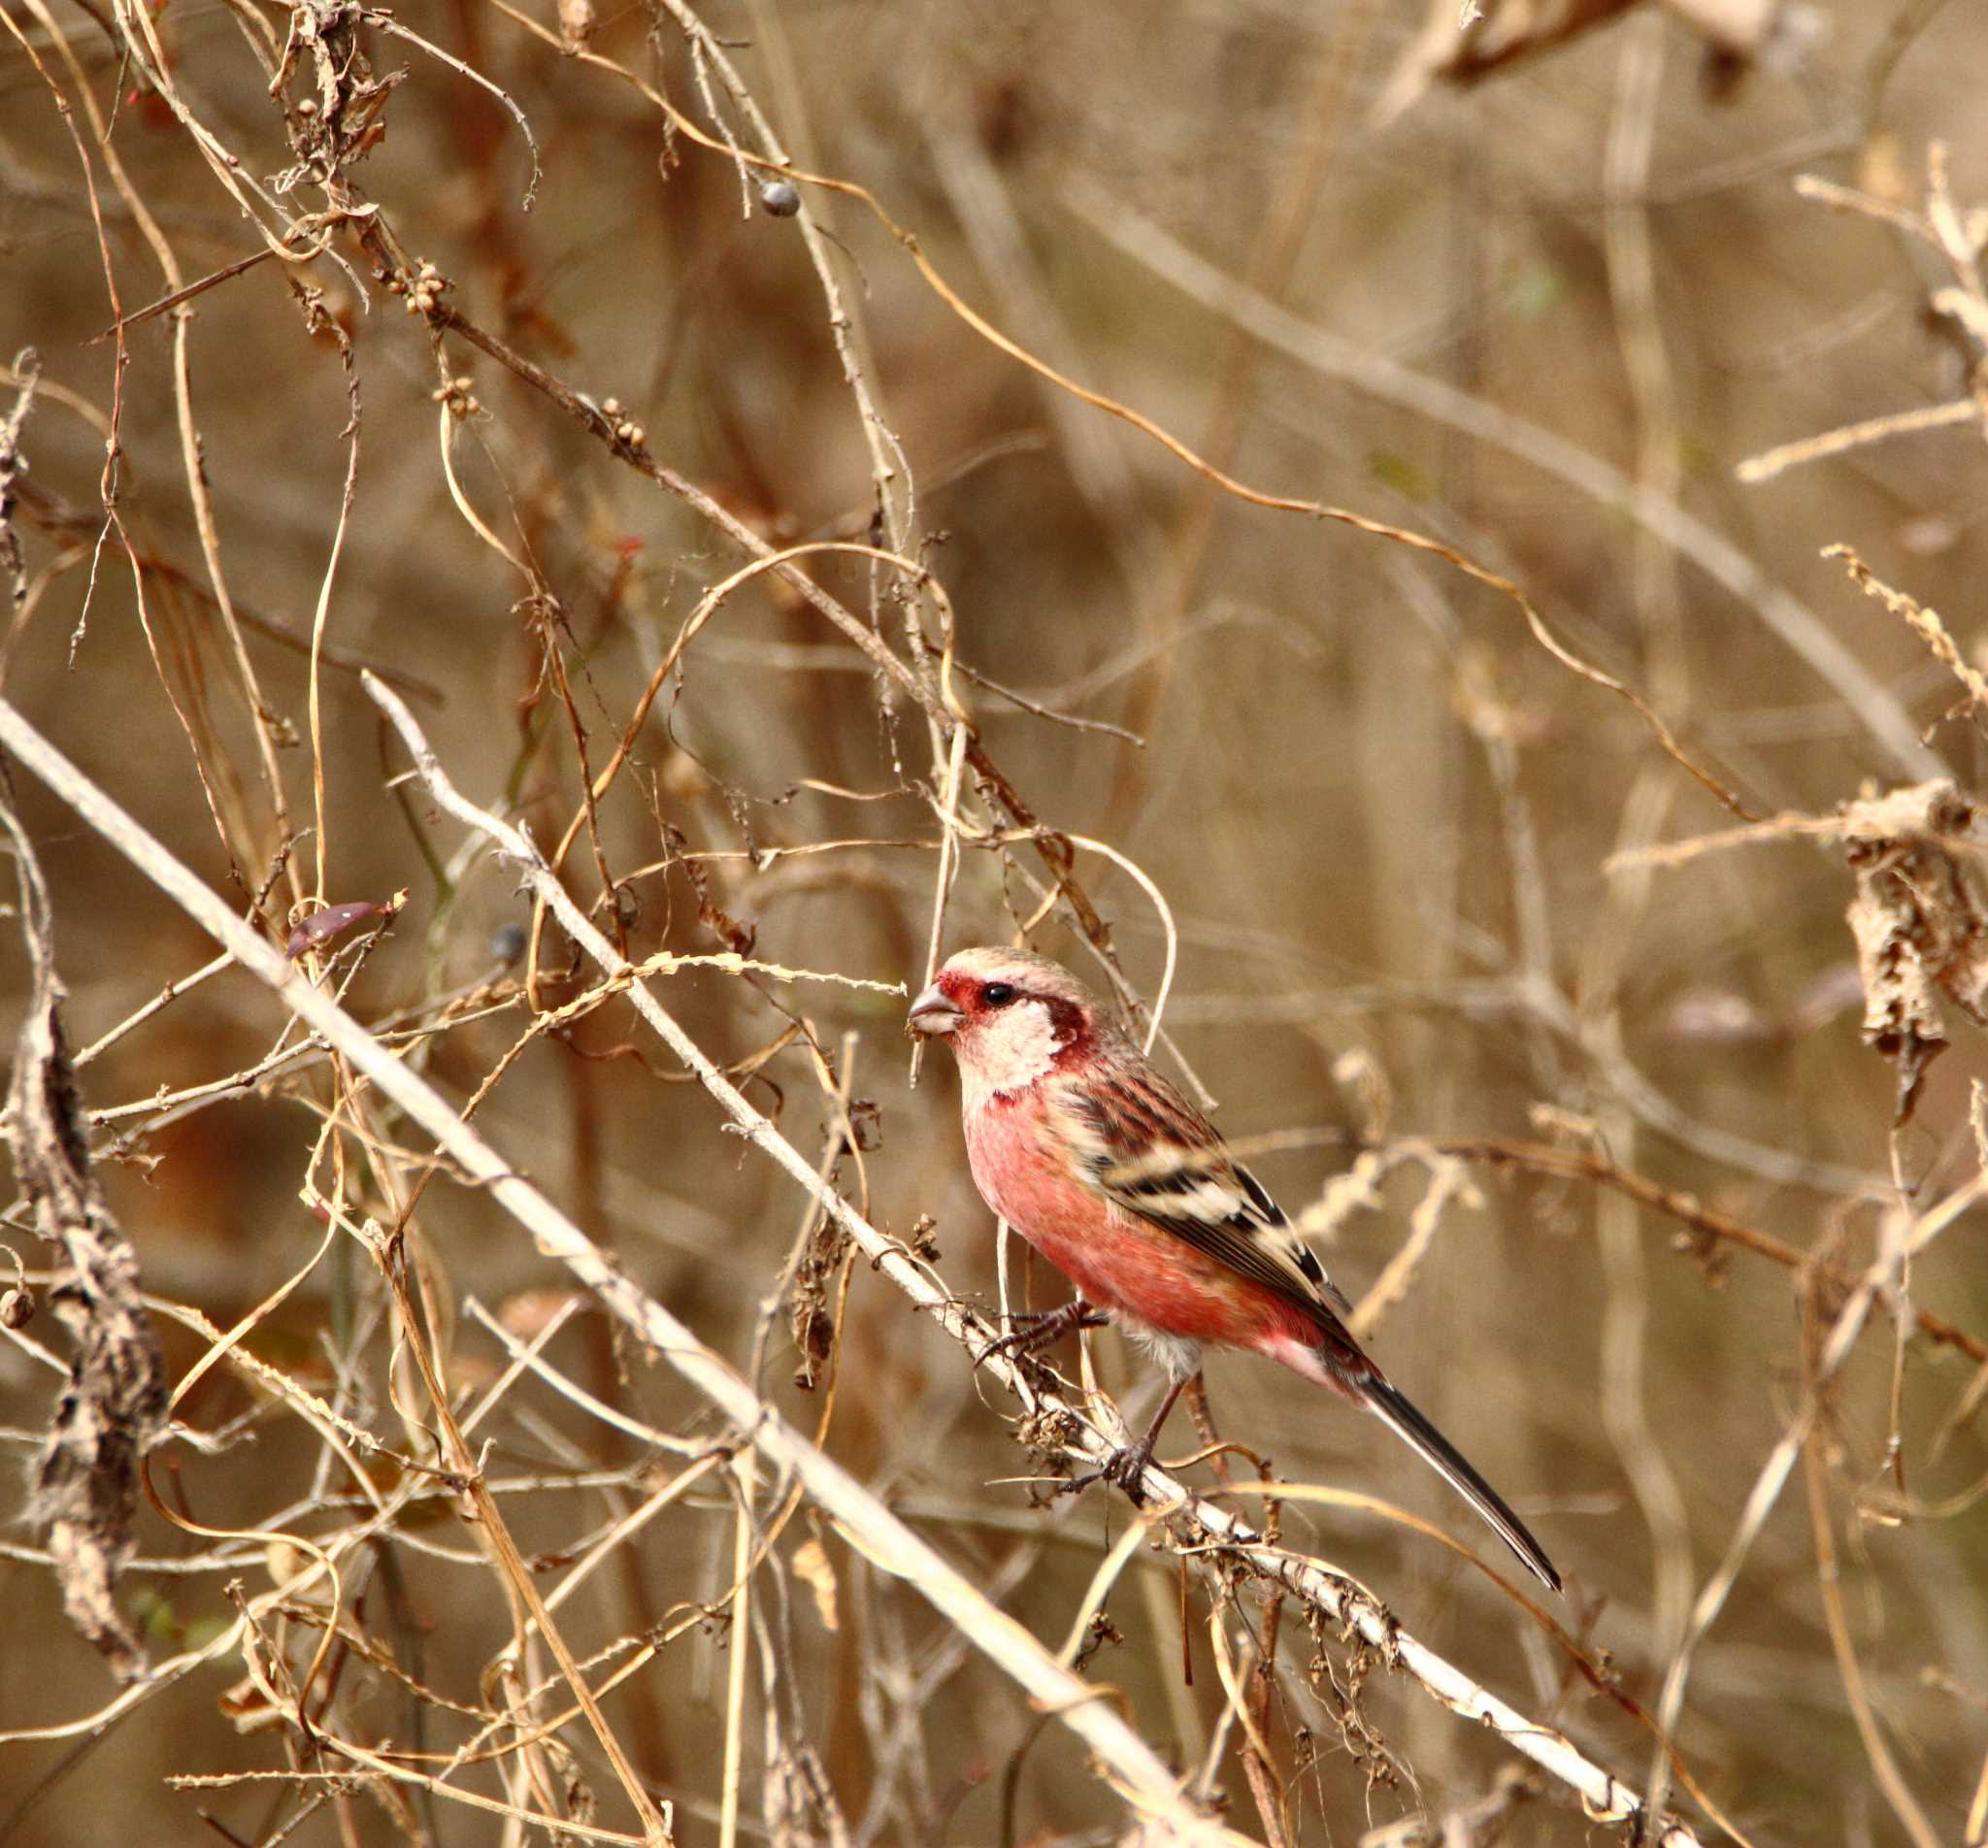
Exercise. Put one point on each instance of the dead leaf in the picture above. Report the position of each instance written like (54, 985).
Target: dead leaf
(1920, 925)
(1774, 32)
(83, 1490)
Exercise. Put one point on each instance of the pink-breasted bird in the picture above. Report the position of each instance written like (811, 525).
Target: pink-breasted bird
(1115, 1177)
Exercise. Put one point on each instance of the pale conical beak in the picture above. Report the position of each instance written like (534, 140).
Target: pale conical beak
(931, 1012)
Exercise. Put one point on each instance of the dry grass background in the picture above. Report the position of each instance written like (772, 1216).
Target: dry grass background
(1398, 848)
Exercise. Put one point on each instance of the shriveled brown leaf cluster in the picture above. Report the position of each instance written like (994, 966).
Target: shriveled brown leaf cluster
(1920, 922)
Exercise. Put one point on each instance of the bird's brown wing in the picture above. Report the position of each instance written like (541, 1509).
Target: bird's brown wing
(1152, 1153)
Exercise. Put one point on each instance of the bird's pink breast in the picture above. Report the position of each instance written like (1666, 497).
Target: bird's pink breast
(1116, 1261)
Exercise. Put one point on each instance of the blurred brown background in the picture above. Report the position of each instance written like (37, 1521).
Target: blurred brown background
(1378, 811)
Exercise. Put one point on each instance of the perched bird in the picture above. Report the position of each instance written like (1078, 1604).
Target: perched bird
(1116, 1179)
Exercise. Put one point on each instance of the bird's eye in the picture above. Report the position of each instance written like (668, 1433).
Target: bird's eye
(997, 994)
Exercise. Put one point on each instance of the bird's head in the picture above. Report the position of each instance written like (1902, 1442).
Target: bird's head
(1010, 1015)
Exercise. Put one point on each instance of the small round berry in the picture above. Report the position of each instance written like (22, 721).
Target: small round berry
(779, 199)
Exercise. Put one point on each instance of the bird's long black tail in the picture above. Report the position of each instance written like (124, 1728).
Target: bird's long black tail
(1442, 1456)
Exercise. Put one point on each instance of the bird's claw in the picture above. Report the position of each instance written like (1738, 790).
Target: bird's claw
(1045, 1326)
(1124, 1468)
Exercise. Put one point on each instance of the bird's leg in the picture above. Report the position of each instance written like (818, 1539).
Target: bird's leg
(1043, 1326)
(1127, 1467)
